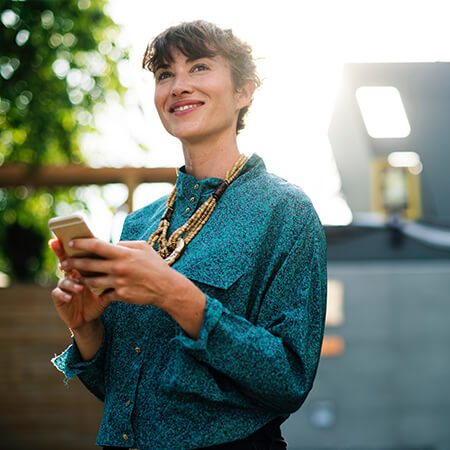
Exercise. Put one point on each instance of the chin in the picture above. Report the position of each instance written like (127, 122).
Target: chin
(186, 134)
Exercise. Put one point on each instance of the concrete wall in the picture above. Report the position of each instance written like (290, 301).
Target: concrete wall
(390, 389)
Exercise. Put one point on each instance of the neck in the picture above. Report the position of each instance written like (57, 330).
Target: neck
(211, 159)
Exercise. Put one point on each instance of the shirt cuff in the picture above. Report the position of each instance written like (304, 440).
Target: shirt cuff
(212, 315)
(71, 363)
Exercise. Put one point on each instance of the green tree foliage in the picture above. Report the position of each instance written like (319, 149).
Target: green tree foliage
(58, 59)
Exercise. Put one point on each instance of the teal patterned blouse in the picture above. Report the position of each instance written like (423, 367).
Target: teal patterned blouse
(261, 261)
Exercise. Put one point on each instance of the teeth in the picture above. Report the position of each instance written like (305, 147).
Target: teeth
(182, 108)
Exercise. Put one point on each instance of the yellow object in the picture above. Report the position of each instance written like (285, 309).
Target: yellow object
(395, 190)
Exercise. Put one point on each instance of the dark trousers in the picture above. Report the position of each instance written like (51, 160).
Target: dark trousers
(266, 438)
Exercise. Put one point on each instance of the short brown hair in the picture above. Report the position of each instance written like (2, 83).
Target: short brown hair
(200, 39)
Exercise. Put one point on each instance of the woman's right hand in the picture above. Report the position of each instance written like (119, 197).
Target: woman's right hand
(76, 304)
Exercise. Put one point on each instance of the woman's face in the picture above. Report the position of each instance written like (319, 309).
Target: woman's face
(196, 99)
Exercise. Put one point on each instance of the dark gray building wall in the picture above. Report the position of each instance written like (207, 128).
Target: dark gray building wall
(390, 389)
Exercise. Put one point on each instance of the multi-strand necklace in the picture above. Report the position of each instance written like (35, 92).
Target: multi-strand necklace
(172, 248)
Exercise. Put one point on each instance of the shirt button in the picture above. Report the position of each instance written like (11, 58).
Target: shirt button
(128, 403)
(125, 437)
(196, 186)
(137, 350)
(192, 199)
(188, 210)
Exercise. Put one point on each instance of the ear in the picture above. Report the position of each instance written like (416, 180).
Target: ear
(245, 94)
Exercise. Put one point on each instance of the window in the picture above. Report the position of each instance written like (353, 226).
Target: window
(383, 112)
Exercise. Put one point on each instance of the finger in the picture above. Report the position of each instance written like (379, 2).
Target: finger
(70, 285)
(102, 282)
(97, 247)
(57, 248)
(138, 245)
(133, 244)
(92, 265)
(61, 296)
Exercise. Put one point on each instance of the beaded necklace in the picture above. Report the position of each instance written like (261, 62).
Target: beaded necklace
(172, 248)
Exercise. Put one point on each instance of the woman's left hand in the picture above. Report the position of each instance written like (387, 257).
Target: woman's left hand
(130, 271)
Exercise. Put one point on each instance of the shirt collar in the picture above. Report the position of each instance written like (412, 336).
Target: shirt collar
(186, 183)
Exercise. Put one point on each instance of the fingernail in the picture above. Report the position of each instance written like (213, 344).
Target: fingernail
(64, 264)
(67, 296)
(71, 243)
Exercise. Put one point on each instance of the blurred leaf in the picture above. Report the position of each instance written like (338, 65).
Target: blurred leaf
(57, 61)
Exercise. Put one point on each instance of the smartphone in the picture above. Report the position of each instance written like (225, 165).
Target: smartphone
(71, 227)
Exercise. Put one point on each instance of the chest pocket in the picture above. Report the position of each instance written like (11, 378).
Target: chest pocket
(220, 274)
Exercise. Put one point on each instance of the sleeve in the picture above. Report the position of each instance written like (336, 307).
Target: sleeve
(91, 372)
(274, 364)
(70, 362)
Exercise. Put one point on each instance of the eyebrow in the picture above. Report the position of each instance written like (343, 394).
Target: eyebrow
(189, 59)
(192, 59)
(163, 66)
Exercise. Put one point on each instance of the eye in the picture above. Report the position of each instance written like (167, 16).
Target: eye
(200, 67)
(163, 75)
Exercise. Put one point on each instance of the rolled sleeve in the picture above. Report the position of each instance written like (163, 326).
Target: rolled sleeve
(91, 372)
(213, 312)
(71, 363)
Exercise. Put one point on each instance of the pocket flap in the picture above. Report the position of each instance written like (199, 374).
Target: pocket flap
(220, 270)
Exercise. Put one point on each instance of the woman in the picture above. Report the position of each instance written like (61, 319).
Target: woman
(210, 336)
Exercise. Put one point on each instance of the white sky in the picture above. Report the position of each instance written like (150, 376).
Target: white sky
(301, 46)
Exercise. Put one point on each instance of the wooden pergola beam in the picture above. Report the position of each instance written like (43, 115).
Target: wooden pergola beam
(73, 175)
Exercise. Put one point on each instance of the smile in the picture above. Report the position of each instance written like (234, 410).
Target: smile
(187, 107)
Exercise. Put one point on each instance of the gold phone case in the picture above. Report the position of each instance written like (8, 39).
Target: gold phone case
(71, 227)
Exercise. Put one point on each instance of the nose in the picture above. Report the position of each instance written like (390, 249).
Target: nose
(180, 86)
